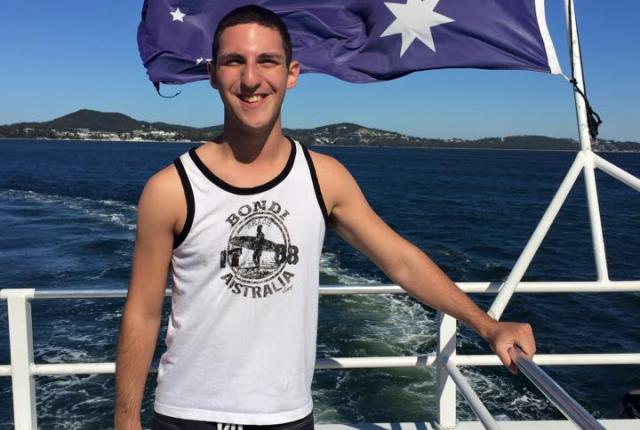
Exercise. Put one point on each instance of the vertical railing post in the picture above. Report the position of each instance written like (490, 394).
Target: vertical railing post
(579, 94)
(21, 347)
(446, 384)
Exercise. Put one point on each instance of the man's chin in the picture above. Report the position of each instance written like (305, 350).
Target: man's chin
(251, 126)
(253, 129)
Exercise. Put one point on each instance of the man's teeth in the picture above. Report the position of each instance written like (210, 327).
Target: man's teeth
(251, 99)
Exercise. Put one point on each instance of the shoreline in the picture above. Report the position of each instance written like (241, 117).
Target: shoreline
(324, 146)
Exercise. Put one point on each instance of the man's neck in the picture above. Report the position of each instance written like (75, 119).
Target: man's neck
(251, 146)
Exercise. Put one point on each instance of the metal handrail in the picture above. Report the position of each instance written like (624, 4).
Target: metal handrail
(554, 392)
(484, 287)
(23, 369)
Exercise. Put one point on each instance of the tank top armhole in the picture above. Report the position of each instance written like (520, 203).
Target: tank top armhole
(316, 184)
(188, 194)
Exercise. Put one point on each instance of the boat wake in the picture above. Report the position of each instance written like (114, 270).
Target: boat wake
(112, 212)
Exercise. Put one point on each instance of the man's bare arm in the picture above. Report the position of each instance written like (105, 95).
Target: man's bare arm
(143, 308)
(405, 264)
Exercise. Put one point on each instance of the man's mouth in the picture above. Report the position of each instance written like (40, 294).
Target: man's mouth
(252, 98)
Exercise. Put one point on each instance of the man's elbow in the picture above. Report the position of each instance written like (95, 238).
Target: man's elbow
(398, 270)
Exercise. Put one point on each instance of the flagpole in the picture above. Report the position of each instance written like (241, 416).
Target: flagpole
(585, 143)
(578, 75)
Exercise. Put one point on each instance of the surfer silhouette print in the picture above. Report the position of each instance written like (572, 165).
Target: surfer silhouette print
(259, 254)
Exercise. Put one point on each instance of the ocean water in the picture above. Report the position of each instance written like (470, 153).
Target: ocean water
(67, 211)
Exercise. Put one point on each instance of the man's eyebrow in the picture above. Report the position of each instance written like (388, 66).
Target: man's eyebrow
(271, 56)
(230, 56)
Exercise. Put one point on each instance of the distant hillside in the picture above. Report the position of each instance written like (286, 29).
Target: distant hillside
(103, 121)
(348, 134)
(94, 123)
(89, 124)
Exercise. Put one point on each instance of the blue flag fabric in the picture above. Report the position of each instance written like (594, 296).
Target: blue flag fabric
(359, 40)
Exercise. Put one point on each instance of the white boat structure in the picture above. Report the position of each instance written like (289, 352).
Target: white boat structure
(22, 370)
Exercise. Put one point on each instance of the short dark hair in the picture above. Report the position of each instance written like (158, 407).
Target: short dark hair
(253, 14)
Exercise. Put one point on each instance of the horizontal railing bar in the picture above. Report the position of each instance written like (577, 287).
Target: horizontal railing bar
(74, 368)
(375, 362)
(555, 359)
(468, 287)
(371, 363)
(494, 287)
(555, 393)
(119, 293)
(474, 401)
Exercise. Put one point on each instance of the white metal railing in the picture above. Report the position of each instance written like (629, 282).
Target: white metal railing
(563, 401)
(474, 401)
(445, 360)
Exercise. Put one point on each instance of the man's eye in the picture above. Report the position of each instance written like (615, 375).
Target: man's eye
(232, 61)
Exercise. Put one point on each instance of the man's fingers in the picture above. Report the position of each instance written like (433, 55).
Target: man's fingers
(508, 336)
(513, 354)
(526, 341)
(526, 349)
(503, 355)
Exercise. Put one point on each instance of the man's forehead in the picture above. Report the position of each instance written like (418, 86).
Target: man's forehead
(259, 35)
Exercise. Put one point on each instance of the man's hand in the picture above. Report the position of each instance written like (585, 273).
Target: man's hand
(504, 336)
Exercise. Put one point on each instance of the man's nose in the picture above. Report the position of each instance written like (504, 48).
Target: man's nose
(250, 75)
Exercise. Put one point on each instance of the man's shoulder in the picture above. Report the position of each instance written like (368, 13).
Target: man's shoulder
(335, 180)
(330, 169)
(163, 188)
(164, 179)
(325, 164)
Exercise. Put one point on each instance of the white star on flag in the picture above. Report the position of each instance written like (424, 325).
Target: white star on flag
(178, 15)
(414, 21)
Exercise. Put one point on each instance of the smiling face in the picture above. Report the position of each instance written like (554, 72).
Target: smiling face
(251, 74)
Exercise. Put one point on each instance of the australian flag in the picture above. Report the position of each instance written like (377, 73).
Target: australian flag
(359, 40)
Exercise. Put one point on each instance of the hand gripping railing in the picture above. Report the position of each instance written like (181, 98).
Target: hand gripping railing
(554, 392)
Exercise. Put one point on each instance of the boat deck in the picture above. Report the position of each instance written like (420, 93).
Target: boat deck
(627, 424)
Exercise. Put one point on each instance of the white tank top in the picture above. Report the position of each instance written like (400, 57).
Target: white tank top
(241, 336)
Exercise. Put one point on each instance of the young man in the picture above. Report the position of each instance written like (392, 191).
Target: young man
(241, 221)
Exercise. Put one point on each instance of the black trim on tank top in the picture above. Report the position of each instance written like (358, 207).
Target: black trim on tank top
(316, 184)
(248, 190)
(191, 204)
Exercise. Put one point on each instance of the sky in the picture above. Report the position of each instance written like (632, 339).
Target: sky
(58, 57)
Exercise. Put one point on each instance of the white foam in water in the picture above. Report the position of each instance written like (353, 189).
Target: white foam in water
(330, 266)
(400, 326)
(406, 322)
(59, 354)
(497, 392)
(406, 327)
(108, 211)
(79, 411)
(98, 275)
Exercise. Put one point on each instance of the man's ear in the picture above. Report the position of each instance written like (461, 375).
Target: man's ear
(211, 70)
(294, 72)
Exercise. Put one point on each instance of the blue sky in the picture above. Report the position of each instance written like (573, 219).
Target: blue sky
(59, 57)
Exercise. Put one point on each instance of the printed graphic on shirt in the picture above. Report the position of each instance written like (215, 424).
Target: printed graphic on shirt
(259, 250)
